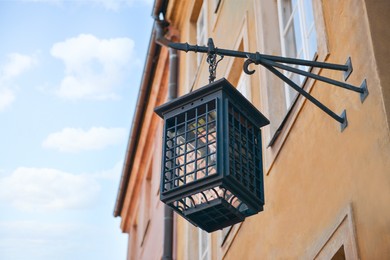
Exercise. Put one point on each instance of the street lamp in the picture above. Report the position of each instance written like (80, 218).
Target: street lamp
(212, 171)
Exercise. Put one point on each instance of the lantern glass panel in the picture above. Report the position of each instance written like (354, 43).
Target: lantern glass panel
(190, 146)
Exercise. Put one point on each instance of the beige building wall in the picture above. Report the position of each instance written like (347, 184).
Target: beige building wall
(142, 212)
(325, 189)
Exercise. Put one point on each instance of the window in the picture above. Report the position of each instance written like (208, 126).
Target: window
(204, 245)
(144, 208)
(298, 37)
(201, 30)
(279, 101)
(244, 86)
(338, 241)
(133, 246)
(340, 254)
(198, 33)
(216, 4)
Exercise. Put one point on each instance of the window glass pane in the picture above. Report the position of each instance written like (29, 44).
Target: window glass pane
(310, 29)
(290, 96)
(204, 245)
(293, 37)
(204, 241)
(298, 37)
(200, 28)
(312, 42)
(201, 37)
(243, 85)
(286, 11)
(298, 28)
(308, 9)
(289, 41)
(298, 33)
(225, 232)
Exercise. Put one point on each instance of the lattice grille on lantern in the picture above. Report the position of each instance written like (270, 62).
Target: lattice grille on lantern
(245, 152)
(190, 146)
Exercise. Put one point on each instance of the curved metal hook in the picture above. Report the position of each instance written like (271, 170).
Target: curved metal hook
(215, 192)
(239, 205)
(183, 203)
(221, 58)
(192, 200)
(246, 67)
(204, 195)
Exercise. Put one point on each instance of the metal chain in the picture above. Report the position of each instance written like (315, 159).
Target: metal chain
(212, 61)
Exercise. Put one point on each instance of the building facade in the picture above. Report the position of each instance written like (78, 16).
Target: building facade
(327, 191)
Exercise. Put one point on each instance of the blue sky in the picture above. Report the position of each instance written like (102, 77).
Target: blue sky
(69, 77)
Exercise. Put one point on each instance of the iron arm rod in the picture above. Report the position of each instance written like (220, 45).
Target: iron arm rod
(271, 62)
(314, 76)
(256, 57)
(304, 93)
(309, 63)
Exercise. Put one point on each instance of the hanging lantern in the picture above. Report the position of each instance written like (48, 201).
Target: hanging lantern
(212, 158)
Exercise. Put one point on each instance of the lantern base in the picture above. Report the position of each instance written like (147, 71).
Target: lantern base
(214, 215)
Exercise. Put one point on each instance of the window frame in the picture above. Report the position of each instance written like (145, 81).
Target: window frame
(340, 234)
(216, 4)
(145, 205)
(276, 135)
(244, 86)
(201, 31)
(193, 61)
(304, 34)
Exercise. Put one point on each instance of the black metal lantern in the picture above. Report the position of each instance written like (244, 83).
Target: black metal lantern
(212, 159)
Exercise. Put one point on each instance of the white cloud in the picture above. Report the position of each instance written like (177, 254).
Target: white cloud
(115, 5)
(47, 225)
(110, 174)
(53, 2)
(7, 96)
(13, 68)
(43, 239)
(33, 230)
(112, 5)
(16, 65)
(36, 189)
(93, 67)
(76, 139)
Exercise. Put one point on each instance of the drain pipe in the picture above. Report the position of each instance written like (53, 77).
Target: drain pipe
(172, 94)
(168, 211)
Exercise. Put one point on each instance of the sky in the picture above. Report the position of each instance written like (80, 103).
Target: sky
(70, 72)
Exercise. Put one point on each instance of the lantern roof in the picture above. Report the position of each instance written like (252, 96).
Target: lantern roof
(222, 84)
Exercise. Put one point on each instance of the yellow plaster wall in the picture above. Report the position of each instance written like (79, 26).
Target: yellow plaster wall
(319, 170)
(378, 13)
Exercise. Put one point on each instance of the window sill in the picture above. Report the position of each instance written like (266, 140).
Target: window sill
(290, 110)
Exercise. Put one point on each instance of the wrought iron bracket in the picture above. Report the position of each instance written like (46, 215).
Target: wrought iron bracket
(271, 63)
